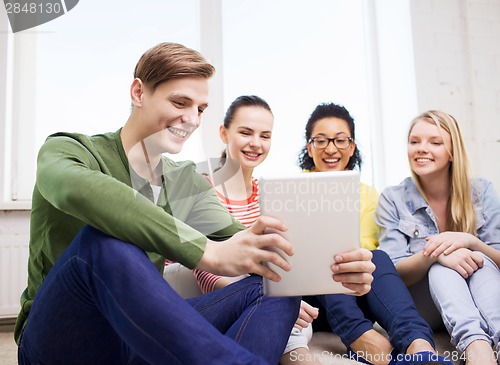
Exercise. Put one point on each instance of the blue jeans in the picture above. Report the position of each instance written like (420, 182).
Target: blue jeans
(389, 303)
(104, 302)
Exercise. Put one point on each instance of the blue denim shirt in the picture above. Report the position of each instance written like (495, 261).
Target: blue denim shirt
(405, 218)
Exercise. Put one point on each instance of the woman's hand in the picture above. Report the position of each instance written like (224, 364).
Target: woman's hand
(463, 261)
(354, 270)
(448, 242)
(307, 314)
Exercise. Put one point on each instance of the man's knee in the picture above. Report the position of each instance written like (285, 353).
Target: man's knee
(97, 246)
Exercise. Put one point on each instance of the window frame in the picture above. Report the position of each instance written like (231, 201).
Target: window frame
(11, 152)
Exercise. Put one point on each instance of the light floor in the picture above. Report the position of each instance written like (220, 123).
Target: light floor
(8, 349)
(325, 347)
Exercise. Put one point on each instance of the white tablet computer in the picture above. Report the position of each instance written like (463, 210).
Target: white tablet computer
(321, 211)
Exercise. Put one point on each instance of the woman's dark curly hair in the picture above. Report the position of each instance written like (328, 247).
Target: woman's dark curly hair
(329, 110)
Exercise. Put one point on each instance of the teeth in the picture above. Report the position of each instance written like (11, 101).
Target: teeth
(423, 159)
(178, 132)
(331, 160)
(250, 154)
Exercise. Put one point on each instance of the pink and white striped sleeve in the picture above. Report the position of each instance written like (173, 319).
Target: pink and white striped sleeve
(206, 280)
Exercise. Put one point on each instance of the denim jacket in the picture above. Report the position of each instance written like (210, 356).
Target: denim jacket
(405, 218)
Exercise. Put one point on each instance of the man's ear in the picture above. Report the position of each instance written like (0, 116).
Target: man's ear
(223, 133)
(136, 92)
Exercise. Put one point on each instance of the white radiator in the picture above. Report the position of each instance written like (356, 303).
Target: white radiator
(13, 272)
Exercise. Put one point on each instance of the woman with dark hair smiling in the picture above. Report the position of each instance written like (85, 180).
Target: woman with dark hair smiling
(331, 146)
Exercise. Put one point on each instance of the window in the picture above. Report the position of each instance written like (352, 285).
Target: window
(74, 72)
(296, 55)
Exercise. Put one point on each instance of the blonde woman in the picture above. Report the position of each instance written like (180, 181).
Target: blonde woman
(442, 224)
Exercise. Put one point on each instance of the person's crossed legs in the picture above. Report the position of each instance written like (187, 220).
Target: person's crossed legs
(104, 302)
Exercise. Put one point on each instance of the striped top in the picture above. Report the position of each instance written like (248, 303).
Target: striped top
(246, 211)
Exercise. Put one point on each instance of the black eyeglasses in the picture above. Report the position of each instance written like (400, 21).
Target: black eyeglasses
(321, 143)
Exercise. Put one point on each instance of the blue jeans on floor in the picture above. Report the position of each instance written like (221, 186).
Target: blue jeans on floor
(388, 303)
(104, 302)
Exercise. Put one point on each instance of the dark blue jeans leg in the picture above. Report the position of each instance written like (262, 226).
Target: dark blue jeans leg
(258, 323)
(389, 303)
(345, 316)
(104, 302)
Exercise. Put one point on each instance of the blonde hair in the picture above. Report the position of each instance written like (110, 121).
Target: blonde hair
(460, 209)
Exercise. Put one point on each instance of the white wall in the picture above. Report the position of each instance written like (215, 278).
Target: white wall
(457, 65)
(14, 230)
